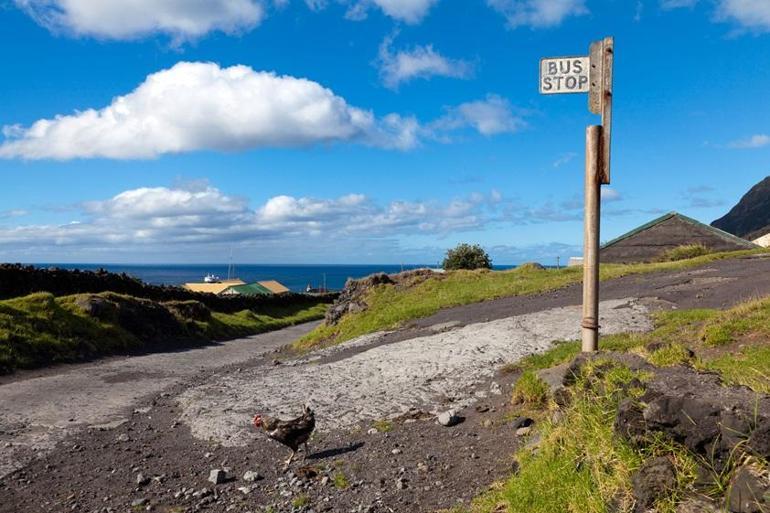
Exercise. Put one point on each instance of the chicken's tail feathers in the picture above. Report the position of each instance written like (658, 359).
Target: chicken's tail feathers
(306, 409)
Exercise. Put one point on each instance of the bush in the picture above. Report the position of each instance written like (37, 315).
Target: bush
(466, 256)
(684, 252)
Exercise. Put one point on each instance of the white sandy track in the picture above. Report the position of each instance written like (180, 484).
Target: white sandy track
(452, 368)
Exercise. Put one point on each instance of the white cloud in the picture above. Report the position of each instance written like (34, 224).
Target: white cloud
(121, 19)
(409, 11)
(200, 106)
(677, 4)
(564, 159)
(194, 106)
(168, 216)
(419, 62)
(609, 195)
(490, 116)
(755, 141)
(751, 14)
(538, 13)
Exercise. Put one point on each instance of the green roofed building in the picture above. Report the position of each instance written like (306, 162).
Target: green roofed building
(648, 242)
(248, 289)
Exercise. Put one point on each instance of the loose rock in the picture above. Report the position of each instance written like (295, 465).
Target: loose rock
(217, 476)
(448, 418)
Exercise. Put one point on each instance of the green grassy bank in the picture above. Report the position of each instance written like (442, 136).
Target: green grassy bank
(390, 307)
(40, 329)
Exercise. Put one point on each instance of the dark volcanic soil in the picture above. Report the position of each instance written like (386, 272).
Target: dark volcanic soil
(436, 466)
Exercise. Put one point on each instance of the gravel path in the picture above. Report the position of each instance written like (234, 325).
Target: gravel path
(450, 368)
(36, 413)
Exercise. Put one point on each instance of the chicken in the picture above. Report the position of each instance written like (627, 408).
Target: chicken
(291, 433)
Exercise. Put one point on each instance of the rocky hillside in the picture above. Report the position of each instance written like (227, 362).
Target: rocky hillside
(750, 218)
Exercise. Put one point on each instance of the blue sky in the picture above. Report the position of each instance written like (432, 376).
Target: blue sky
(371, 131)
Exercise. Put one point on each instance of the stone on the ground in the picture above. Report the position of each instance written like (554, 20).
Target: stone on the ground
(401, 483)
(522, 422)
(141, 479)
(697, 505)
(217, 476)
(251, 476)
(123, 437)
(749, 491)
(138, 502)
(448, 418)
(652, 481)
(523, 431)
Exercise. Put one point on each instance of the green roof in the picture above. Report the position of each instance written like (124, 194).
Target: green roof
(250, 289)
(716, 231)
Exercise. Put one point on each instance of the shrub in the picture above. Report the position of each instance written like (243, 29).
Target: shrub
(466, 256)
(684, 252)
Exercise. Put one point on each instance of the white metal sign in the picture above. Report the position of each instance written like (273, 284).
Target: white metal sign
(563, 75)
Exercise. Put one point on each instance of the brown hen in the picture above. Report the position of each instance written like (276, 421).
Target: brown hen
(291, 433)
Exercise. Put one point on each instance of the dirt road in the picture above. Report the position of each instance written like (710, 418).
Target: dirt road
(79, 435)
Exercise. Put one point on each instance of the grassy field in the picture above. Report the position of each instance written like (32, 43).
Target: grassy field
(41, 329)
(390, 307)
(580, 464)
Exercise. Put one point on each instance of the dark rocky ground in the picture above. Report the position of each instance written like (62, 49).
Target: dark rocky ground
(418, 465)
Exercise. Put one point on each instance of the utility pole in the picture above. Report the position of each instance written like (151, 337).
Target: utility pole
(592, 75)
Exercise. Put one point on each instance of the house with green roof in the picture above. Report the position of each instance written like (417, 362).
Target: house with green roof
(247, 289)
(648, 242)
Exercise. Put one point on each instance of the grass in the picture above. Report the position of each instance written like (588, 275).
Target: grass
(684, 252)
(301, 501)
(390, 306)
(383, 426)
(40, 329)
(751, 368)
(726, 327)
(340, 480)
(530, 390)
(580, 465)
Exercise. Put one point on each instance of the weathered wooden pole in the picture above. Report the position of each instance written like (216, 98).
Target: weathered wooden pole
(592, 75)
(590, 322)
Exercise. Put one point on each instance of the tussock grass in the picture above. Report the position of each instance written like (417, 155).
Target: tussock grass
(684, 252)
(390, 307)
(530, 390)
(40, 329)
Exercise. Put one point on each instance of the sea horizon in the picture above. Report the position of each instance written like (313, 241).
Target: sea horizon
(296, 277)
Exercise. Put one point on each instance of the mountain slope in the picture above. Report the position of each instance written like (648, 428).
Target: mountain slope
(750, 218)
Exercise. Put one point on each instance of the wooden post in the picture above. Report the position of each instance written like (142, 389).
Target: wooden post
(590, 323)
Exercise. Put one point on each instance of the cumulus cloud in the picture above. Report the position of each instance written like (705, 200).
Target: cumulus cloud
(194, 106)
(755, 141)
(493, 115)
(119, 19)
(408, 11)
(751, 14)
(201, 106)
(538, 13)
(419, 62)
(203, 215)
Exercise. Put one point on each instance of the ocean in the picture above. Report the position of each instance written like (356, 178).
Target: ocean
(295, 277)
